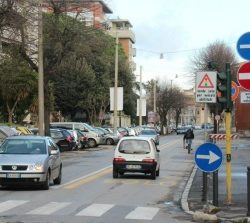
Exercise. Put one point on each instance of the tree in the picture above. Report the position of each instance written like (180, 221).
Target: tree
(169, 99)
(218, 53)
(17, 83)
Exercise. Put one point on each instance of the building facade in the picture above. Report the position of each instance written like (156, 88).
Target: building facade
(123, 29)
(92, 12)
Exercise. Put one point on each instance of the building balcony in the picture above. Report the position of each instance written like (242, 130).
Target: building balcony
(123, 34)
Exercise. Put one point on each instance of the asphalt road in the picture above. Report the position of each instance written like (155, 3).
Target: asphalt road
(88, 192)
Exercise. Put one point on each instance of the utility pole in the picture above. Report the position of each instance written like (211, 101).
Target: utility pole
(116, 83)
(40, 71)
(154, 95)
(140, 102)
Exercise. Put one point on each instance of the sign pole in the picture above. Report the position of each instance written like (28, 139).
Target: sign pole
(228, 155)
(205, 125)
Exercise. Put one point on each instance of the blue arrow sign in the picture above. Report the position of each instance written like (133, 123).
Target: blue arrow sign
(243, 46)
(208, 157)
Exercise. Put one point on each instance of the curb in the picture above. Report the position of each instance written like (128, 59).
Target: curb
(184, 197)
(184, 200)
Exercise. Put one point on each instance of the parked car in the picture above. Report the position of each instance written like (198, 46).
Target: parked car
(83, 139)
(35, 131)
(131, 132)
(136, 154)
(93, 136)
(108, 138)
(181, 130)
(63, 139)
(123, 131)
(6, 131)
(150, 133)
(23, 130)
(30, 160)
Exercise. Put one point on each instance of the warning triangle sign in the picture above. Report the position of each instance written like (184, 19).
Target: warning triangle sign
(206, 82)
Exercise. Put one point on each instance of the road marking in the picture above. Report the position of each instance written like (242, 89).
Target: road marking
(88, 178)
(7, 205)
(95, 210)
(83, 177)
(94, 175)
(143, 213)
(49, 208)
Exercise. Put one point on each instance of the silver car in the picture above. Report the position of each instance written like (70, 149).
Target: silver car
(151, 133)
(30, 160)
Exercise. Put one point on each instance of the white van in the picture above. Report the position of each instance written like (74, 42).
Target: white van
(136, 154)
(94, 138)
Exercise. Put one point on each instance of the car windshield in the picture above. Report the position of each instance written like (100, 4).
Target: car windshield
(134, 147)
(148, 132)
(23, 146)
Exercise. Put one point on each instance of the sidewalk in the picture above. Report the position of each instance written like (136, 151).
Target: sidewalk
(238, 208)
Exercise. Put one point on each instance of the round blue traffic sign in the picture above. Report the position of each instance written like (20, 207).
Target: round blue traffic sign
(243, 46)
(208, 157)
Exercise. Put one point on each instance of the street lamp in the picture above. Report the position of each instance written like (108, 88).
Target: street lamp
(116, 83)
(40, 72)
(140, 102)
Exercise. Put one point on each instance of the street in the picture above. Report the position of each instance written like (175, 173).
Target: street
(88, 192)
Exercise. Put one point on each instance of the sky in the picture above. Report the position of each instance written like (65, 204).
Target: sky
(180, 29)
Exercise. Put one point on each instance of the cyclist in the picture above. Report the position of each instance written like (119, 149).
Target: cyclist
(188, 136)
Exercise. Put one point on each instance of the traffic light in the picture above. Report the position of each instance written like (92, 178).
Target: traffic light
(224, 88)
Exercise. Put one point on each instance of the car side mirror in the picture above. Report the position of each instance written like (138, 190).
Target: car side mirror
(158, 150)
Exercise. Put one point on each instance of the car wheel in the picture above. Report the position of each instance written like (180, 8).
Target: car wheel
(59, 178)
(153, 174)
(115, 173)
(109, 141)
(158, 172)
(121, 173)
(47, 181)
(91, 143)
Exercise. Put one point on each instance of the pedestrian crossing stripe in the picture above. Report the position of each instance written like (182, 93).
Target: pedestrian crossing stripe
(92, 210)
(49, 208)
(95, 210)
(206, 82)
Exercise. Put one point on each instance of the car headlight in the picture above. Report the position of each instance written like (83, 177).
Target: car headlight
(36, 167)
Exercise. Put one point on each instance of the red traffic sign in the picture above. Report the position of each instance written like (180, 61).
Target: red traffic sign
(243, 76)
(235, 91)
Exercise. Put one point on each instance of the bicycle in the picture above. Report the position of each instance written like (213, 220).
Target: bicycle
(188, 147)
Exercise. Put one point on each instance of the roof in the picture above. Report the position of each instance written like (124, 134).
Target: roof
(127, 22)
(136, 138)
(106, 9)
(28, 137)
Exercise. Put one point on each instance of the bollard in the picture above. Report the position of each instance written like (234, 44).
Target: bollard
(215, 189)
(204, 187)
(248, 191)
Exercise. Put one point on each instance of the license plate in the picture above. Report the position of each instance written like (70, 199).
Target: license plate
(13, 175)
(133, 166)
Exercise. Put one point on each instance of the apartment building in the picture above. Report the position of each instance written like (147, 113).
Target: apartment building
(92, 12)
(123, 29)
(188, 113)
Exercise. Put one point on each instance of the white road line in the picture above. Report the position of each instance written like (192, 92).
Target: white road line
(81, 178)
(7, 205)
(95, 210)
(143, 213)
(245, 46)
(48, 208)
